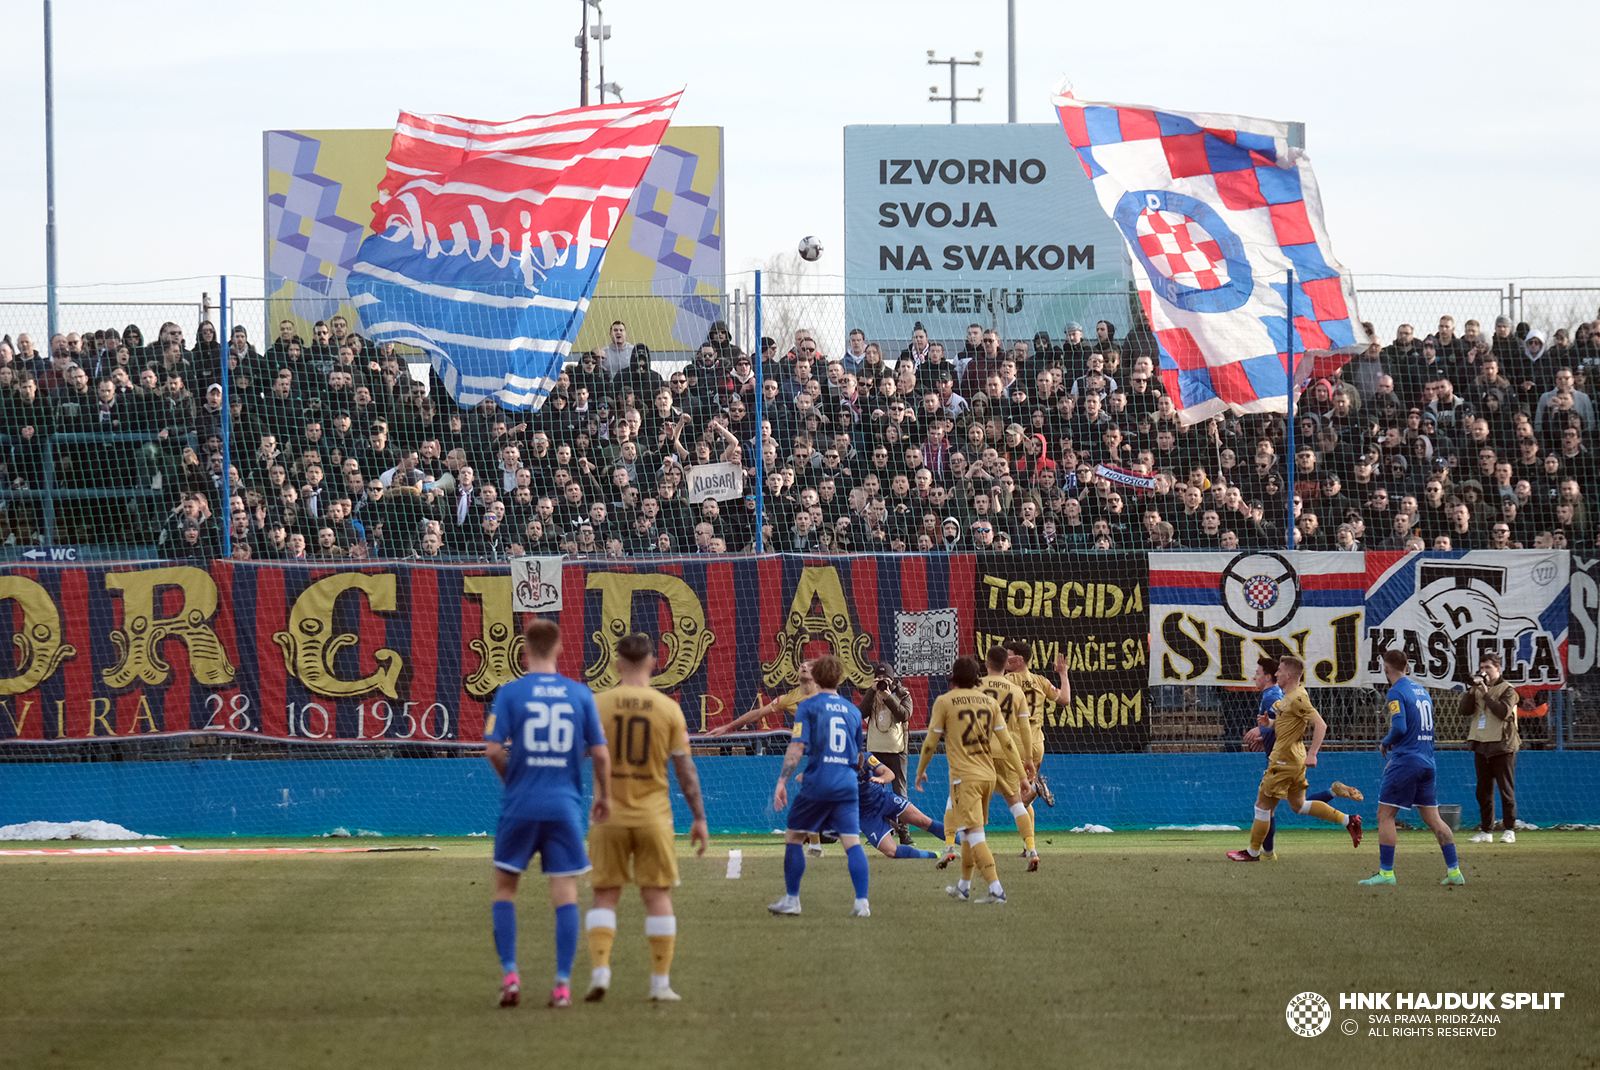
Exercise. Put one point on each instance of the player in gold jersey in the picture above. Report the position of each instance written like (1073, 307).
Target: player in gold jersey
(969, 722)
(644, 730)
(1041, 695)
(1285, 778)
(784, 706)
(1009, 779)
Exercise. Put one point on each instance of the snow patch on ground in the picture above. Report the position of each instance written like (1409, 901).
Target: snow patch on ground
(70, 830)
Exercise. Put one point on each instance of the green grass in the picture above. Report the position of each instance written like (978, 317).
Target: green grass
(1132, 949)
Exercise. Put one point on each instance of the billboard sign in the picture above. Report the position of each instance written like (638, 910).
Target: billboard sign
(994, 224)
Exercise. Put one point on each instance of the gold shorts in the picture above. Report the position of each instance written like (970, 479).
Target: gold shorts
(969, 803)
(1007, 781)
(1283, 781)
(1036, 751)
(649, 849)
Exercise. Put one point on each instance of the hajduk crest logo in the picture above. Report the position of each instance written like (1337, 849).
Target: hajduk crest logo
(1192, 258)
(1261, 591)
(1308, 1014)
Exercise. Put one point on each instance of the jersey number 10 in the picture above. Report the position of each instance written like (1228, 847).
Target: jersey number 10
(632, 740)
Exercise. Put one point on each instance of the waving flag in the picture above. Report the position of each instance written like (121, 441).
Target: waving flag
(1216, 210)
(487, 239)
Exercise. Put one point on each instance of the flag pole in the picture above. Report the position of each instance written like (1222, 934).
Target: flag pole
(1288, 403)
(226, 497)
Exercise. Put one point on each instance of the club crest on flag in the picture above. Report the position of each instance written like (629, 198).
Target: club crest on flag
(1189, 255)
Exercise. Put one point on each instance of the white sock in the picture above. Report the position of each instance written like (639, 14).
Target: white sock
(995, 889)
(1253, 852)
(1344, 819)
(658, 981)
(601, 977)
(964, 885)
(861, 904)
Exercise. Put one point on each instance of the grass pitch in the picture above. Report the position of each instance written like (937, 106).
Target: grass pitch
(1126, 950)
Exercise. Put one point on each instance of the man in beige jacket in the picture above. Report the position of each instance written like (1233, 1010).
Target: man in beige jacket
(1490, 706)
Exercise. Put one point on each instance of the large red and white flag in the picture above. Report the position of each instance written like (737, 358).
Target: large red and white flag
(487, 239)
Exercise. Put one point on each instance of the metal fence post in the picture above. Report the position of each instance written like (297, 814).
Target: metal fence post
(1288, 409)
(49, 488)
(227, 429)
(761, 396)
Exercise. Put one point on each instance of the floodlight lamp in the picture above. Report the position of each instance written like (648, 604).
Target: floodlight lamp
(930, 53)
(978, 54)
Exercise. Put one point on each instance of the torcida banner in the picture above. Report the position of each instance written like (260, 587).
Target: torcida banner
(415, 653)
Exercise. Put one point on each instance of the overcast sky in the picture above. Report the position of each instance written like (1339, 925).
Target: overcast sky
(1448, 139)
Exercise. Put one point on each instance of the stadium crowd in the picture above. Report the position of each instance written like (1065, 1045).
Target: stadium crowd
(1476, 439)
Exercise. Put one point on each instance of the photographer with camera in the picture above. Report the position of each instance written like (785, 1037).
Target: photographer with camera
(1490, 707)
(886, 711)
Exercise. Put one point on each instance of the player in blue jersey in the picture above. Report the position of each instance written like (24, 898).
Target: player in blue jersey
(827, 729)
(1264, 736)
(1408, 778)
(537, 732)
(881, 809)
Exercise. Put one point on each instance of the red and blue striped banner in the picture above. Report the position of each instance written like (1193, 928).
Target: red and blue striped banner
(405, 653)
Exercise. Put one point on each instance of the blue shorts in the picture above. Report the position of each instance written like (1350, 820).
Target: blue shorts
(1408, 786)
(842, 816)
(878, 808)
(559, 845)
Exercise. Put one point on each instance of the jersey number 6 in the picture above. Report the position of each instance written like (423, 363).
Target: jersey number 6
(838, 741)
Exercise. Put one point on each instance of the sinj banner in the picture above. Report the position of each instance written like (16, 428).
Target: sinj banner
(994, 224)
(1090, 609)
(1214, 614)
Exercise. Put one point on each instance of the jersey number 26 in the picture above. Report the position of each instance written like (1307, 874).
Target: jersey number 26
(556, 718)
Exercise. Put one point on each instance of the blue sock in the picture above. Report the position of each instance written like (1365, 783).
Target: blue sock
(794, 867)
(505, 934)
(856, 859)
(907, 851)
(1320, 796)
(936, 830)
(1272, 831)
(1450, 856)
(566, 941)
(1386, 857)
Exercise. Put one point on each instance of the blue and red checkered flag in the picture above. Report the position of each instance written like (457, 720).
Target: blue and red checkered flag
(1216, 210)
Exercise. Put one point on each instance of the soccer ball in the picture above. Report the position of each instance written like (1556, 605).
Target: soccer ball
(810, 247)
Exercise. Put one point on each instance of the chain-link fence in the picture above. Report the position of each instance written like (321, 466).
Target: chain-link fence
(1214, 719)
